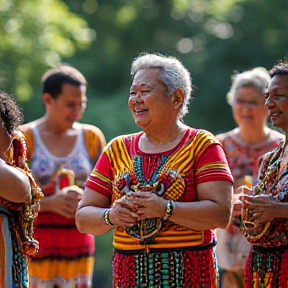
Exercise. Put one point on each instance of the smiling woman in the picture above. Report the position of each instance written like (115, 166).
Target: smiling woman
(150, 104)
(276, 101)
(243, 146)
(163, 190)
(267, 206)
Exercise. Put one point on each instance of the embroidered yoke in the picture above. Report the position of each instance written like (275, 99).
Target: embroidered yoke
(177, 256)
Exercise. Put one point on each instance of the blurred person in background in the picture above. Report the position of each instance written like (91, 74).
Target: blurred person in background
(265, 212)
(163, 190)
(62, 153)
(243, 146)
(19, 196)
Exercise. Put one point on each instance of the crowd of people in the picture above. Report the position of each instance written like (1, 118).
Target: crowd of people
(188, 209)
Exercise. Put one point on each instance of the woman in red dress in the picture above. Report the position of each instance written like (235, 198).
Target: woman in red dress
(163, 190)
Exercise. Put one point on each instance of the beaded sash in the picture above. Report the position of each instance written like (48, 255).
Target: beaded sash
(267, 185)
(24, 214)
(146, 229)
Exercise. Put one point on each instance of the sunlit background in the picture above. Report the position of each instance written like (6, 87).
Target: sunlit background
(213, 39)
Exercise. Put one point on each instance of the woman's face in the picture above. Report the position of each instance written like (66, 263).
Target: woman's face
(277, 101)
(5, 139)
(249, 109)
(149, 102)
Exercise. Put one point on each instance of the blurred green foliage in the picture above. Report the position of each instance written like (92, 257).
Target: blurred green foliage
(35, 35)
(213, 39)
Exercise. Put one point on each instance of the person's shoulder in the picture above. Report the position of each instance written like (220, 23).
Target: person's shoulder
(225, 135)
(92, 129)
(14, 172)
(94, 139)
(121, 139)
(273, 134)
(15, 186)
(272, 155)
(202, 137)
(205, 134)
(278, 147)
(26, 128)
(125, 137)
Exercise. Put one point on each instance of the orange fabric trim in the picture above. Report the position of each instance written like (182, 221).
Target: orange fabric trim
(47, 269)
(175, 237)
(89, 138)
(29, 142)
(94, 141)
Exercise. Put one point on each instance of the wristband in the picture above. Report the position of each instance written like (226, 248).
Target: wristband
(169, 210)
(106, 218)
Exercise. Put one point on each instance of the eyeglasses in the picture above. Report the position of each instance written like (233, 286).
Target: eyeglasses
(252, 103)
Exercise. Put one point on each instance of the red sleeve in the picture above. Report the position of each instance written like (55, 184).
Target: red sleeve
(100, 177)
(212, 165)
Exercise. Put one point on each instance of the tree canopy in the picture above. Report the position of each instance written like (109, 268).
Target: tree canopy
(35, 35)
(212, 38)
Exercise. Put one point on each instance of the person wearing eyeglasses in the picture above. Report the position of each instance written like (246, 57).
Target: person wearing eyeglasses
(243, 146)
(62, 152)
(265, 212)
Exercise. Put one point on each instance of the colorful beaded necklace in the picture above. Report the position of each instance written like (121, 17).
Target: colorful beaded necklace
(275, 170)
(138, 168)
(267, 185)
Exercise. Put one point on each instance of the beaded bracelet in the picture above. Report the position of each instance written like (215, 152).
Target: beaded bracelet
(106, 218)
(169, 210)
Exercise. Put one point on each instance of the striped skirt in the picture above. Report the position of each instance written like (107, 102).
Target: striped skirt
(13, 265)
(267, 268)
(65, 258)
(167, 269)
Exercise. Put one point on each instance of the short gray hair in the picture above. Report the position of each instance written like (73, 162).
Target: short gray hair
(257, 77)
(172, 73)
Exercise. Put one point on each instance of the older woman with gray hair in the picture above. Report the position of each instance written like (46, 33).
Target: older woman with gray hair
(243, 146)
(163, 190)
